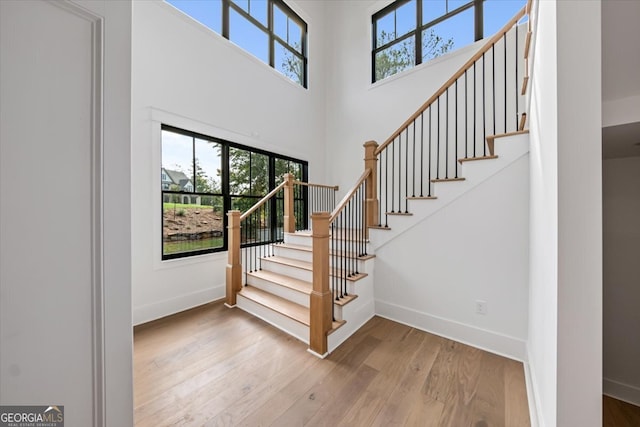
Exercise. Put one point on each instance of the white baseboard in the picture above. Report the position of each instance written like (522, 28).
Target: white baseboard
(502, 345)
(157, 310)
(621, 391)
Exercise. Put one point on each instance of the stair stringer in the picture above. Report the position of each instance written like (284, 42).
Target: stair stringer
(357, 312)
(509, 149)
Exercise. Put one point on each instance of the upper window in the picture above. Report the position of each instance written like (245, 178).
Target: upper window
(409, 32)
(268, 29)
(202, 178)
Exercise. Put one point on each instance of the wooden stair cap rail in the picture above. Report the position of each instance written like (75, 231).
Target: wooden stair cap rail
(484, 49)
(263, 200)
(309, 184)
(348, 196)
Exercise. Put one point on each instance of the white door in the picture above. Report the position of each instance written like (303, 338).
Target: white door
(49, 203)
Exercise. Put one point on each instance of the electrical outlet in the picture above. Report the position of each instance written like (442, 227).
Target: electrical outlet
(481, 307)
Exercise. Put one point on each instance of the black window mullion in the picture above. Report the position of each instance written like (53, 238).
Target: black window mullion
(273, 206)
(272, 43)
(193, 152)
(225, 19)
(478, 21)
(418, 43)
(226, 198)
(287, 46)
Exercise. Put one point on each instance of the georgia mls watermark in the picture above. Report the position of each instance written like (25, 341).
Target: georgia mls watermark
(31, 416)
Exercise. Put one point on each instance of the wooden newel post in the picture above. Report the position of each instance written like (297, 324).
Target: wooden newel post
(234, 268)
(289, 216)
(321, 298)
(371, 162)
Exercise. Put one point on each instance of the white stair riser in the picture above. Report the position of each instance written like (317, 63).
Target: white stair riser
(305, 240)
(293, 253)
(308, 257)
(299, 273)
(276, 319)
(279, 290)
(287, 270)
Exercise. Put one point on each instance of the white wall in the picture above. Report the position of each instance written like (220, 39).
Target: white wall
(358, 111)
(187, 76)
(65, 295)
(565, 325)
(621, 238)
(474, 248)
(543, 261)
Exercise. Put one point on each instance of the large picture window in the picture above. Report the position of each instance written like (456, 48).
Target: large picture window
(202, 178)
(268, 29)
(409, 32)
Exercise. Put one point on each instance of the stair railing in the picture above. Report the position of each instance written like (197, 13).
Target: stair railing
(339, 243)
(454, 125)
(254, 233)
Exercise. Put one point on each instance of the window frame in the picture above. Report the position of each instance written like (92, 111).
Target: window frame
(226, 6)
(224, 185)
(416, 33)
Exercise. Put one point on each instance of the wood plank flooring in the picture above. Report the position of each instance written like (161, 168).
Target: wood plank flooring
(214, 366)
(616, 413)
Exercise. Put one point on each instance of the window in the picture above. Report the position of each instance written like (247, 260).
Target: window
(204, 177)
(268, 29)
(409, 32)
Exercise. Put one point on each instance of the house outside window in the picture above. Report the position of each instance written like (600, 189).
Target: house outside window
(268, 29)
(407, 33)
(204, 177)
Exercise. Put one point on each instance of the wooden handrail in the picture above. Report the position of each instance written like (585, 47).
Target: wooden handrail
(348, 196)
(484, 49)
(308, 184)
(263, 200)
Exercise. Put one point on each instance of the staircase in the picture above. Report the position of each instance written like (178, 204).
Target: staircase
(279, 293)
(317, 284)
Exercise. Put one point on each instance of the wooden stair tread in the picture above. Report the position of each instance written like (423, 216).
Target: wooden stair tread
(421, 198)
(339, 236)
(282, 280)
(309, 249)
(335, 325)
(379, 227)
(523, 121)
(399, 213)
(280, 305)
(305, 265)
(473, 159)
(491, 138)
(447, 179)
(527, 45)
(346, 299)
(525, 81)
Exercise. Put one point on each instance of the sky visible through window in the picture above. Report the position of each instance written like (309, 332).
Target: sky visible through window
(246, 35)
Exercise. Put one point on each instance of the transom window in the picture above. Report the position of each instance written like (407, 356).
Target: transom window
(204, 177)
(409, 32)
(268, 29)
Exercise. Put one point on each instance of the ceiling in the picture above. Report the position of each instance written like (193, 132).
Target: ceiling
(620, 71)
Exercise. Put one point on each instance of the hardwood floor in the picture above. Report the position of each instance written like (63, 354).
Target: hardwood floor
(616, 413)
(215, 366)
